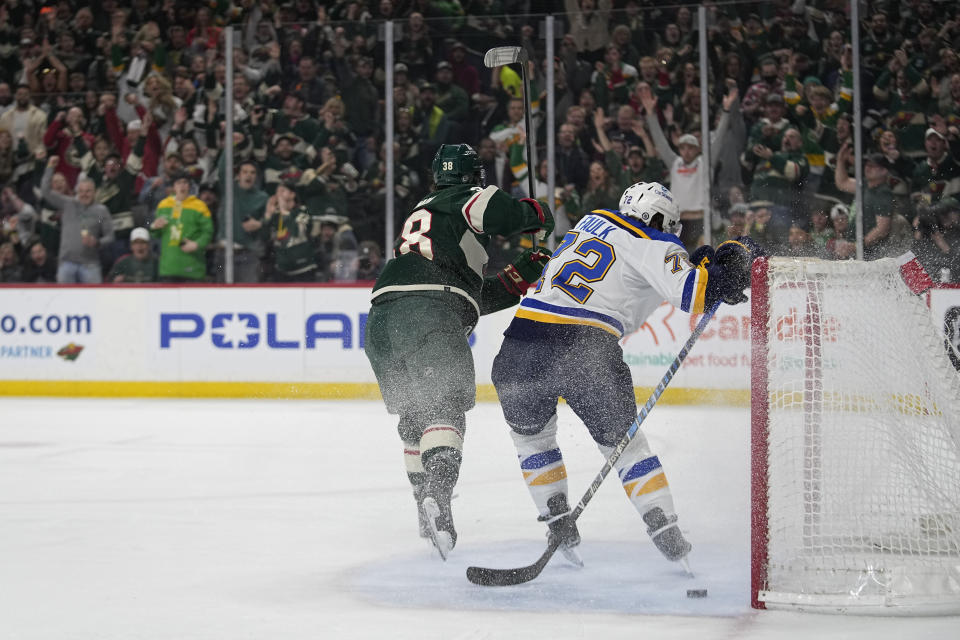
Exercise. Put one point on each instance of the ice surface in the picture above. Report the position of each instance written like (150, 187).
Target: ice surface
(162, 519)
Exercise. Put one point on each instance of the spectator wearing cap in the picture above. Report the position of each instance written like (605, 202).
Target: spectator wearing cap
(281, 164)
(85, 225)
(406, 92)
(843, 245)
(139, 265)
(287, 229)
(882, 225)
(756, 96)
(938, 175)
(184, 227)
(689, 173)
(25, 120)
(464, 73)
(451, 97)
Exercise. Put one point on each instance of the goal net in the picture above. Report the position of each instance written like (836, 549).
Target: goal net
(856, 443)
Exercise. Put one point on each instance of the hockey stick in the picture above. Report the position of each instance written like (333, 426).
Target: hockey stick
(505, 577)
(497, 57)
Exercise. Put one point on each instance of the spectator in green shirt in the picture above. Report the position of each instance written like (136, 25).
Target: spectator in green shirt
(185, 228)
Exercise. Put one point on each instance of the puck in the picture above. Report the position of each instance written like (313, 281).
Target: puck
(696, 593)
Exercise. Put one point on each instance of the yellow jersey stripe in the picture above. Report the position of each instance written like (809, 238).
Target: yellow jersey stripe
(607, 214)
(699, 297)
(529, 314)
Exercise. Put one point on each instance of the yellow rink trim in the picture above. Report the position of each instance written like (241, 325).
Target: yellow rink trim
(302, 390)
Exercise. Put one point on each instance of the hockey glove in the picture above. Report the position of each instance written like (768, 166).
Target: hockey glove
(734, 259)
(703, 257)
(546, 219)
(524, 271)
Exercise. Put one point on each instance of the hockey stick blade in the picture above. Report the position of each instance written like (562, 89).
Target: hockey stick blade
(508, 577)
(499, 56)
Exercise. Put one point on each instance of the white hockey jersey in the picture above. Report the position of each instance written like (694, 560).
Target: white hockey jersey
(612, 272)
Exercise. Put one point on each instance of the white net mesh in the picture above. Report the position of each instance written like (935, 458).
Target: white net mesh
(864, 446)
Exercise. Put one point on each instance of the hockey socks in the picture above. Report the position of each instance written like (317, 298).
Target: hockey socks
(645, 484)
(541, 463)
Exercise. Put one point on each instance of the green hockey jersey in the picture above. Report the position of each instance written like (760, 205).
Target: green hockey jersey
(442, 246)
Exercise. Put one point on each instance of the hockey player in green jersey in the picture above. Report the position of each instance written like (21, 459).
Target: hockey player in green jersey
(425, 304)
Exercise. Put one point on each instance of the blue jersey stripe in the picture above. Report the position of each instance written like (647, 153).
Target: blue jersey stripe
(688, 287)
(642, 468)
(573, 313)
(541, 460)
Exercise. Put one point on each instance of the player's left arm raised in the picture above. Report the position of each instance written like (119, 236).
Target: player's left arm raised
(493, 212)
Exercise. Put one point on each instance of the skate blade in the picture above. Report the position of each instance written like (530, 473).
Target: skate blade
(442, 541)
(572, 556)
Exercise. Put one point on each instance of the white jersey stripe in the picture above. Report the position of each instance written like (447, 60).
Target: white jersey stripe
(476, 206)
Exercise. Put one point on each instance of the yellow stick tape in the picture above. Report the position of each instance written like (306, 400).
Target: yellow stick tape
(302, 390)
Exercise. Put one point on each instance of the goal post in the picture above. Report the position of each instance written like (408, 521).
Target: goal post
(855, 443)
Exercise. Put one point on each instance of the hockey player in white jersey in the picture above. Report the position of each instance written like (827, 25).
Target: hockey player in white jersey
(605, 278)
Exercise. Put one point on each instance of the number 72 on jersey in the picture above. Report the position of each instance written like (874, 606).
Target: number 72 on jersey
(581, 265)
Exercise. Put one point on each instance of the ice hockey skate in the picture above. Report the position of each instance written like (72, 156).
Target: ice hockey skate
(442, 473)
(666, 534)
(560, 526)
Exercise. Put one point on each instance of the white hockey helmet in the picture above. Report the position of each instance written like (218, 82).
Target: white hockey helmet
(644, 200)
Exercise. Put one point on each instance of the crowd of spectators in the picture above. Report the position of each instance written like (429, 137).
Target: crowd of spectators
(113, 147)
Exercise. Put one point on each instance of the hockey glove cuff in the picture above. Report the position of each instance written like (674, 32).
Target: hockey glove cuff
(546, 218)
(524, 271)
(703, 256)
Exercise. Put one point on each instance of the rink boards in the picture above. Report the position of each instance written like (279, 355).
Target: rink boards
(294, 341)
